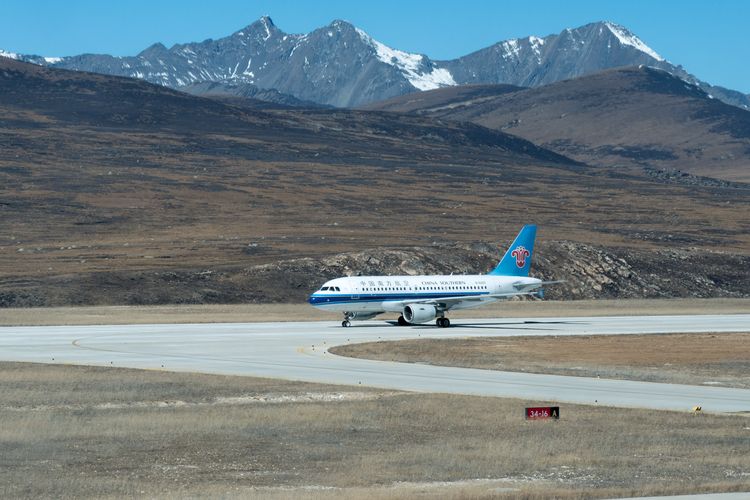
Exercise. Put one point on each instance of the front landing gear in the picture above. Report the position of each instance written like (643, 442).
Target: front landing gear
(443, 322)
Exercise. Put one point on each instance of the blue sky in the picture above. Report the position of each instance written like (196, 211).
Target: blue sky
(709, 39)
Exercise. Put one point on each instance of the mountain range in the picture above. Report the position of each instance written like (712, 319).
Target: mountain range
(341, 65)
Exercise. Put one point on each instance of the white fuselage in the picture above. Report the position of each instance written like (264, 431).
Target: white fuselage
(371, 294)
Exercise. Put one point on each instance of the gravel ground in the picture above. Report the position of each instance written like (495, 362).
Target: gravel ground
(253, 313)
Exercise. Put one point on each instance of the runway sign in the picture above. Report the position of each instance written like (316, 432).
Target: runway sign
(543, 412)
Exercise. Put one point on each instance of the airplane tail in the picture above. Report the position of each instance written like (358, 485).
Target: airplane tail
(517, 259)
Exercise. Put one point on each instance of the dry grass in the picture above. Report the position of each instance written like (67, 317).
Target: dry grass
(696, 358)
(252, 313)
(97, 432)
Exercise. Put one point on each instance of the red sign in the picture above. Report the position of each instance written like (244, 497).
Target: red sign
(536, 413)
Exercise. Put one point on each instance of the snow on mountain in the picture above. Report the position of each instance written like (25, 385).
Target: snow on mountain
(627, 38)
(265, 20)
(536, 45)
(412, 66)
(9, 55)
(34, 59)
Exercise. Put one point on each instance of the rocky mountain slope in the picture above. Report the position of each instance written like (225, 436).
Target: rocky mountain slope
(341, 65)
(588, 271)
(629, 117)
(535, 61)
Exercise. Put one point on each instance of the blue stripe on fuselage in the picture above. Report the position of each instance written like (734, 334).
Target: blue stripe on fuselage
(374, 297)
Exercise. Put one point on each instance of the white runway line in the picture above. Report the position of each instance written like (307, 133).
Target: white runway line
(298, 351)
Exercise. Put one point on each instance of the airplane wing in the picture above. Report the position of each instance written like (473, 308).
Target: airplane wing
(448, 302)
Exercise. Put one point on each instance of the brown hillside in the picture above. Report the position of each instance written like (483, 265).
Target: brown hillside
(112, 178)
(625, 117)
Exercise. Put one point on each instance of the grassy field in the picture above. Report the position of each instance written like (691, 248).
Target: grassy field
(721, 359)
(252, 313)
(77, 432)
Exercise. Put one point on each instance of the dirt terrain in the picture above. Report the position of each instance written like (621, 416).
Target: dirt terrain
(255, 313)
(721, 359)
(84, 432)
(113, 191)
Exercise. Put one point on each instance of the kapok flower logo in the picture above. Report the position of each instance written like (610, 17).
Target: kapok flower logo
(520, 253)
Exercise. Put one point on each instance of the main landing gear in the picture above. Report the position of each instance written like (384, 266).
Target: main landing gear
(440, 322)
(346, 323)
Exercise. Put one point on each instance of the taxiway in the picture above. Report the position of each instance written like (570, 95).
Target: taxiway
(298, 351)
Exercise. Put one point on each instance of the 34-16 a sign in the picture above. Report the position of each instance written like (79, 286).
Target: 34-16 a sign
(542, 412)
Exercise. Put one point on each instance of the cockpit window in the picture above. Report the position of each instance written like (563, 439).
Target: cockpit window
(337, 289)
(325, 288)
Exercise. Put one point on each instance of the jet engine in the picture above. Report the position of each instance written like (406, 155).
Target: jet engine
(419, 313)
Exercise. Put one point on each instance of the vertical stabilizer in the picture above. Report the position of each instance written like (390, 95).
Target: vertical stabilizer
(517, 260)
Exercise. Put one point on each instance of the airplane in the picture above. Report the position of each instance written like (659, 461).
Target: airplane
(421, 299)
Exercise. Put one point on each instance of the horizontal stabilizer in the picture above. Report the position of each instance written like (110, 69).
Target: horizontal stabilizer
(534, 286)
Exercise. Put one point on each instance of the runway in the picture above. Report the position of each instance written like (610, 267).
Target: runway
(297, 351)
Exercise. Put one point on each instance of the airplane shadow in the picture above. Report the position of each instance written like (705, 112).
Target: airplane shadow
(496, 326)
